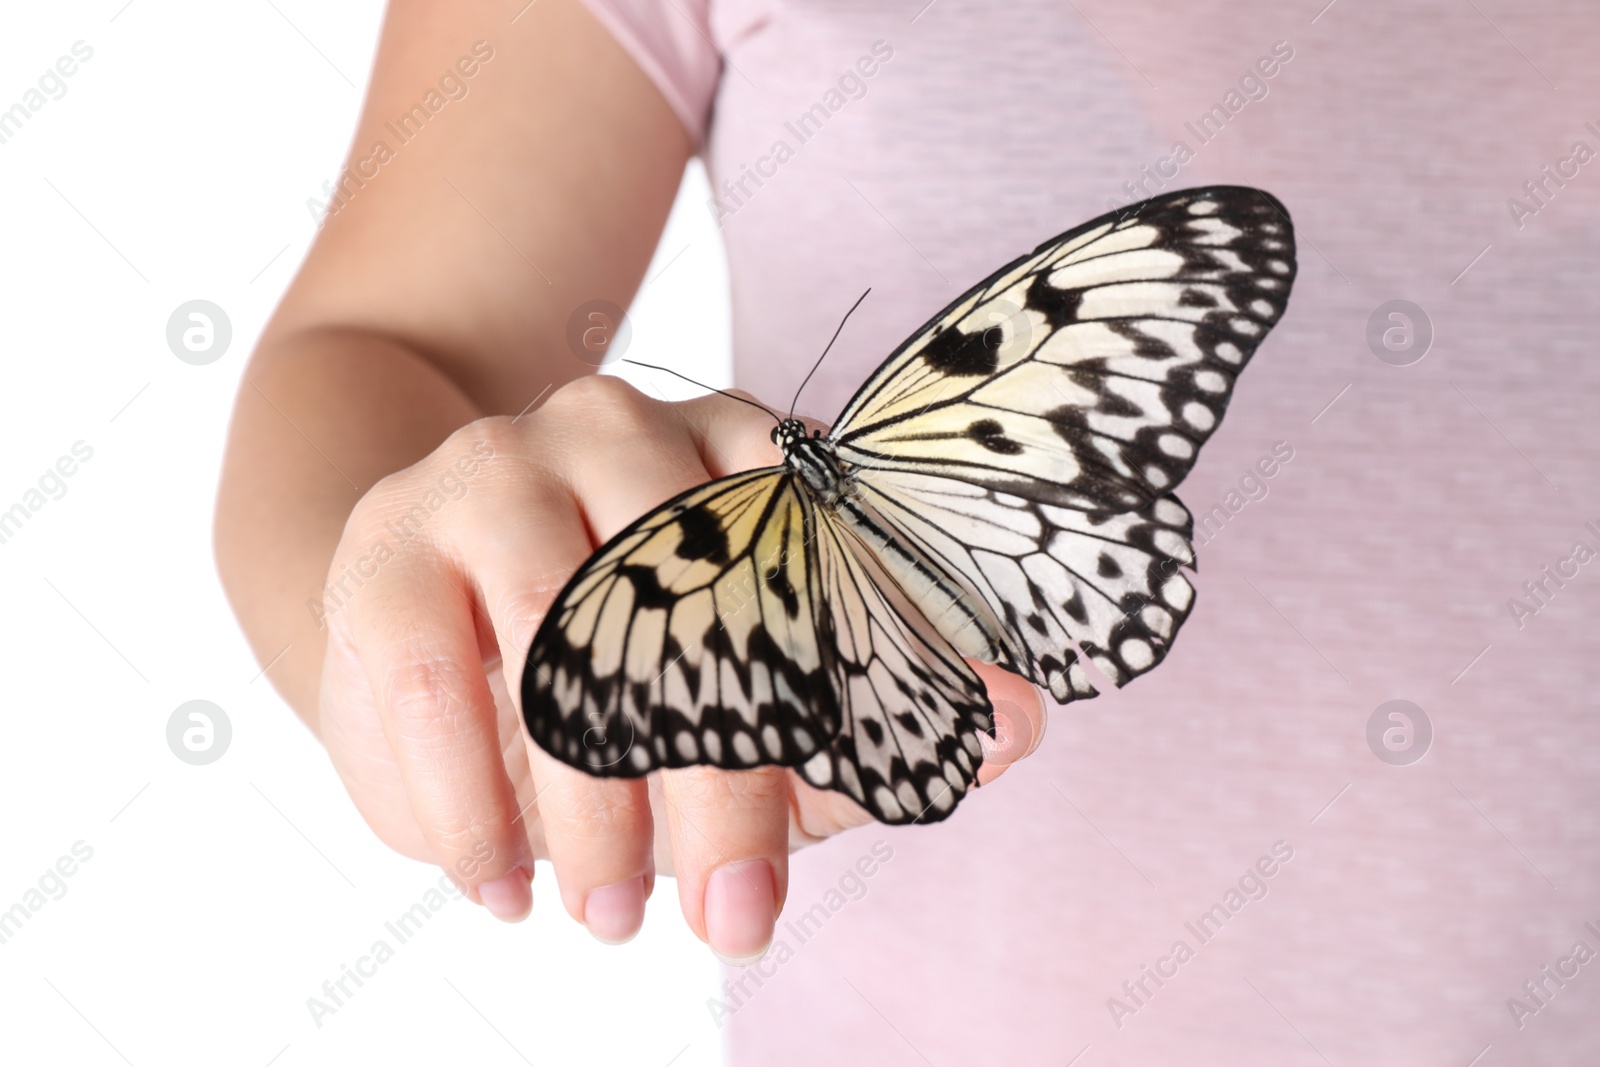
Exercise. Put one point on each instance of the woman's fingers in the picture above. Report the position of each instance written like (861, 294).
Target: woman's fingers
(599, 833)
(730, 849)
(1019, 718)
(521, 549)
(619, 455)
(731, 436)
(416, 635)
(596, 831)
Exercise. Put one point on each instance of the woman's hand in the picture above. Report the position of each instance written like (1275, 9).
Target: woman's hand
(440, 292)
(442, 577)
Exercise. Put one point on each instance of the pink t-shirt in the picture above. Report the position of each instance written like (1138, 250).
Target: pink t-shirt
(1215, 865)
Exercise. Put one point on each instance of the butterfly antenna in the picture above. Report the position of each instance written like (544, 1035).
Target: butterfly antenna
(824, 355)
(760, 407)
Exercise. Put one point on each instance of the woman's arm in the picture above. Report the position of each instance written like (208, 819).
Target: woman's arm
(440, 291)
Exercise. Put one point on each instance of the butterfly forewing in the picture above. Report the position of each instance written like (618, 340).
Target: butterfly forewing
(1088, 373)
(691, 638)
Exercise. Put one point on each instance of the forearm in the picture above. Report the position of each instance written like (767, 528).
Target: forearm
(321, 416)
(441, 293)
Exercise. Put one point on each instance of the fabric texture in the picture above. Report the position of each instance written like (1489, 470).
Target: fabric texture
(668, 42)
(1426, 533)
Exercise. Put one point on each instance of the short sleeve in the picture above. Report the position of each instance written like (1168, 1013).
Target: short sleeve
(671, 42)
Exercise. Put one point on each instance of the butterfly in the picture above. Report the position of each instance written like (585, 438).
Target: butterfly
(999, 490)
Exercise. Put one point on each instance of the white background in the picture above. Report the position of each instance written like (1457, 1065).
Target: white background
(219, 898)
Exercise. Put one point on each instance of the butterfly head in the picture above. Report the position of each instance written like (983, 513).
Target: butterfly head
(789, 433)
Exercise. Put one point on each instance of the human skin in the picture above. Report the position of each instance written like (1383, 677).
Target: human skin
(405, 360)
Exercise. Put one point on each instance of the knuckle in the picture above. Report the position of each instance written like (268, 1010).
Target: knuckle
(367, 515)
(602, 814)
(480, 441)
(407, 503)
(761, 789)
(462, 835)
(428, 698)
(821, 814)
(593, 397)
(525, 608)
(397, 515)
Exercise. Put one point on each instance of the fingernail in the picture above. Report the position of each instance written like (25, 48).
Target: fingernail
(614, 913)
(1013, 735)
(509, 898)
(741, 909)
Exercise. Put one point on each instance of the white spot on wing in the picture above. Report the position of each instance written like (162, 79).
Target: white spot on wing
(1173, 445)
(885, 802)
(1158, 619)
(1170, 512)
(1198, 415)
(1136, 653)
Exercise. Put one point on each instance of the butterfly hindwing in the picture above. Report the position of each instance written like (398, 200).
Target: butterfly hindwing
(1059, 580)
(908, 749)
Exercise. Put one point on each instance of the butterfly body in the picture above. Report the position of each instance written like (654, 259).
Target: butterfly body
(999, 490)
(814, 458)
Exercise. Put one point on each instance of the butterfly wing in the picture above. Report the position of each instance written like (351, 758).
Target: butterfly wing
(692, 637)
(736, 626)
(908, 748)
(1057, 580)
(1026, 438)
